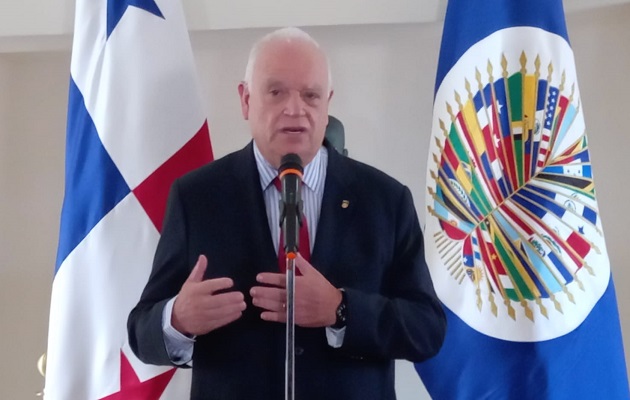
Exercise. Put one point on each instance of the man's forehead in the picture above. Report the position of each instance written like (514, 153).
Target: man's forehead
(297, 76)
(302, 85)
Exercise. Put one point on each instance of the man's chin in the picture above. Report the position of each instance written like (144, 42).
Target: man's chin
(303, 152)
(298, 146)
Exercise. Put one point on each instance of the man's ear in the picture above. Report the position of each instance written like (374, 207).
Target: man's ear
(243, 92)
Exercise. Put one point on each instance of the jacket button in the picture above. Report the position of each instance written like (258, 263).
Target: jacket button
(299, 351)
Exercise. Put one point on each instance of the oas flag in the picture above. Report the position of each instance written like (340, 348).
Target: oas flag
(514, 240)
(135, 123)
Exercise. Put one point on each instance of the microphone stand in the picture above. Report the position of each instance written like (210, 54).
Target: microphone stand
(289, 382)
(290, 220)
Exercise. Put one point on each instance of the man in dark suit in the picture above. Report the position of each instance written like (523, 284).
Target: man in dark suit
(215, 296)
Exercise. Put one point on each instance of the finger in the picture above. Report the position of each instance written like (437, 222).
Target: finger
(215, 309)
(211, 286)
(271, 278)
(270, 304)
(270, 293)
(229, 300)
(210, 324)
(198, 271)
(304, 266)
(274, 316)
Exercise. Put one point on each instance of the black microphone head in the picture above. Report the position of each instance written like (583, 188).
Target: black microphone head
(290, 161)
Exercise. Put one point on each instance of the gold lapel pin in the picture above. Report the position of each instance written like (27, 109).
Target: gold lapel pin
(345, 203)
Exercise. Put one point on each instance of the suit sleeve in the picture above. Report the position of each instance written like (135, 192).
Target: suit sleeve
(405, 320)
(170, 270)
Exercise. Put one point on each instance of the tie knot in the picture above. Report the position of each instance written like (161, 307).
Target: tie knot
(276, 182)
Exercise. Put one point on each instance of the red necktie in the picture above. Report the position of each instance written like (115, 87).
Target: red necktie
(304, 244)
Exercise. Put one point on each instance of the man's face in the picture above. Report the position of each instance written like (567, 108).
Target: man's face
(287, 102)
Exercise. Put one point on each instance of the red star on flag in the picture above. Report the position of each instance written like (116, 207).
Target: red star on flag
(132, 389)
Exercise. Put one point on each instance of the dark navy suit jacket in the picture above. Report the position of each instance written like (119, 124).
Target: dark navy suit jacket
(373, 248)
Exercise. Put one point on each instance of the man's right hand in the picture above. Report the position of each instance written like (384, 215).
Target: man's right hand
(198, 309)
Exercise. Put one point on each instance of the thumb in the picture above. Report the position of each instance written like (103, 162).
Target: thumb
(198, 271)
(304, 266)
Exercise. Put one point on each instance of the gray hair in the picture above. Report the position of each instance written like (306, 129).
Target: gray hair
(286, 34)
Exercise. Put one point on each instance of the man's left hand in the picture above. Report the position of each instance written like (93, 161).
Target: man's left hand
(315, 303)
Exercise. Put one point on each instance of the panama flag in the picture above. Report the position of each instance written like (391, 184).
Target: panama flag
(135, 123)
(523, 274)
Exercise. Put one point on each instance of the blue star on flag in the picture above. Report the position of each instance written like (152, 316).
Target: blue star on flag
(116, 9)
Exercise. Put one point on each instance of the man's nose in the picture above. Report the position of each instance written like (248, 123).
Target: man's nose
(294, 105)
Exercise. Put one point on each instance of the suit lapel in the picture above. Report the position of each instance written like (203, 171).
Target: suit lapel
(337, 212)
(253, 210)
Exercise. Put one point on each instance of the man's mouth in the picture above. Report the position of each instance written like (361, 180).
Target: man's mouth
(293, 129)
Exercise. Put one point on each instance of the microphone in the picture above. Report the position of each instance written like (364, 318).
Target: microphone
(290, 174)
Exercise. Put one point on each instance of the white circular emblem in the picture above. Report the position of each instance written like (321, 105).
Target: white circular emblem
(513, 235)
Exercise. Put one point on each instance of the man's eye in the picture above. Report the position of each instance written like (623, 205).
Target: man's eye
(274, 92)
(311, 95)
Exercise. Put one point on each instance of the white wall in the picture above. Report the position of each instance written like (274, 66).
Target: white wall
(383, 77)
(601, 43)
(34, 25)
(32, 111)
(35, 19)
